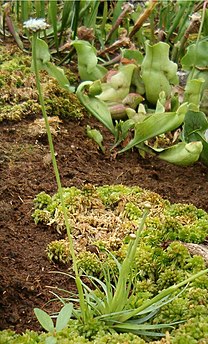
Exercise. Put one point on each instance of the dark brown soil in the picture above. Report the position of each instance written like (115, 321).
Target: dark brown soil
(24, 272)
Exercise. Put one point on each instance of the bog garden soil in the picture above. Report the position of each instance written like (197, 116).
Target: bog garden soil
(26, 169)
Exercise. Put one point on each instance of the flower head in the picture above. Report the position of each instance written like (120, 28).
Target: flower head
(35, 24)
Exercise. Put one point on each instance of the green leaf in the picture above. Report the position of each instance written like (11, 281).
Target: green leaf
(58, 74)
(182, 154)
(118, 86)
(129, 326)
(53, 10)
(156, 124)
(44, 319)
(95, 106)
(195, 55)
(193, 91)
(42, 51)
(87, 61)
(96, 136)
(194, 122)
(64, 317)
(204, 154)
(132, 55)
(195, 60)
(158, 72)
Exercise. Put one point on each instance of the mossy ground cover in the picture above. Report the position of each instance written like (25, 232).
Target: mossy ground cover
(103, 218)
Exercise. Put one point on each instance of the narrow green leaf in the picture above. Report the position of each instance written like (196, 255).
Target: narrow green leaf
(58, 74)
(64, 317)
(44, 319)
(52, 10)
(130, 326)
(95, 106)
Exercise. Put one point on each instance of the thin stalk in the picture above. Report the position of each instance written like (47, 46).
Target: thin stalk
(58, 181)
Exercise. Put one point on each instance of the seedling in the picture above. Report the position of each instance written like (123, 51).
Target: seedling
(47, 323)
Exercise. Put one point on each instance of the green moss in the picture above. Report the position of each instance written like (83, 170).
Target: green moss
(58, 251)
(105, 216)
(89, 263)
(60, 102)
(194, 331)
(18, 96)
(20, 111)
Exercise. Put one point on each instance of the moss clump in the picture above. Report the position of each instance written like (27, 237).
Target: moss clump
(20, 111)
(60, 102)
(19, 98)
(105, 216)
(89, 263)
(58, 251)
(194, 331)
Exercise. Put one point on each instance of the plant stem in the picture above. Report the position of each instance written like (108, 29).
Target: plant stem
(58, 180)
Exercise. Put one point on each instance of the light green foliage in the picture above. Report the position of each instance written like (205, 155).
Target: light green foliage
(96, 214)
(156, 124)
(58, 251)
(89, 263)
(87, 61)
(118, 84)
(182, 154)
(194, 331)
(96, 135)
(195, 126)
(195, 62)
(193, 90)
(158, 72)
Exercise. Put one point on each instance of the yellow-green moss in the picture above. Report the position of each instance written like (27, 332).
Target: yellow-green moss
(19, 97)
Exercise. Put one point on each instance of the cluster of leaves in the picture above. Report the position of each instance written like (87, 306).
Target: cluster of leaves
(120, 91)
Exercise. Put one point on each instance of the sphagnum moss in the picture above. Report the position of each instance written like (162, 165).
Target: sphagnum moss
(18, 97)
(161, 258)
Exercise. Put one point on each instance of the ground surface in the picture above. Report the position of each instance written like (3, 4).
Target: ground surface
(25, 171)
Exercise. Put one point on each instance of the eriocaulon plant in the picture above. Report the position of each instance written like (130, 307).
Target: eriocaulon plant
(40, 60)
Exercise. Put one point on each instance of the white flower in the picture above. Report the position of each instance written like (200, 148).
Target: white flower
(35, 24)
